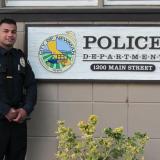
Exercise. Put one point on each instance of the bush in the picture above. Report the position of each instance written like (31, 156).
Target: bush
(115, 145)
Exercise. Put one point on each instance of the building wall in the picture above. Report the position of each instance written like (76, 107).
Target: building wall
(135, 106)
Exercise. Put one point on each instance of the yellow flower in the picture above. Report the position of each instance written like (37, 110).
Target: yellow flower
(60, 122)
(81, 124)
(93, 119)
(118, 130)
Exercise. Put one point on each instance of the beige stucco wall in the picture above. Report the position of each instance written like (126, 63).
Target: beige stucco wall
(136, 106)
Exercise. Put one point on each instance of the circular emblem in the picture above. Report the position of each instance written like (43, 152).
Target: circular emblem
(22, 62)
(57, 53)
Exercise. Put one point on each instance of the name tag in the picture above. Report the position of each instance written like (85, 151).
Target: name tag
(9, 77)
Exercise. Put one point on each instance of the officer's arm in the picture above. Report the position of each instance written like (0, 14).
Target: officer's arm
(31, 90)
(4, 108)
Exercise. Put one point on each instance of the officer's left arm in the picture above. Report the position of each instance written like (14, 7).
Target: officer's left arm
(31, 90)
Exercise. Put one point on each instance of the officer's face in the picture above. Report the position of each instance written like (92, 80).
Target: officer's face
(8, 35)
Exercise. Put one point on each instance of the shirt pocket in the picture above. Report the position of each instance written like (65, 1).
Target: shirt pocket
(21, 72)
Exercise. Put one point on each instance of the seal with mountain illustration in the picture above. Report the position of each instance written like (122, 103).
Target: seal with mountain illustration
(57, 53)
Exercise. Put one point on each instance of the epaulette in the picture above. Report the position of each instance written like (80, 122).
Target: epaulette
(21, 52)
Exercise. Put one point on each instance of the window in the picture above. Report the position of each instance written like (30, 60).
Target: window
(132, 2)
(51, 2)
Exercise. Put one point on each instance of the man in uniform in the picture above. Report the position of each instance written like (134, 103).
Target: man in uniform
(18, 93)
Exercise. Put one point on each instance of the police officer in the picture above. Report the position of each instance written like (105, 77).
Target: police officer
(17, 94)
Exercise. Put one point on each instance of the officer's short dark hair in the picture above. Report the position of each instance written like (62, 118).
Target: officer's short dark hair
(8, 21)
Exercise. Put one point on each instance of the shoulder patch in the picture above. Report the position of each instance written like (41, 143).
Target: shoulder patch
(22, 62)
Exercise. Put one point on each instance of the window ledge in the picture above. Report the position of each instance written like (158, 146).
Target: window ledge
(84, 10)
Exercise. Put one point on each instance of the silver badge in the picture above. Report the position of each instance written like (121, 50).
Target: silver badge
(22, 62)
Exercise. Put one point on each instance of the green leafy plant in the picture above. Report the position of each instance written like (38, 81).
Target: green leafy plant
(115, 145)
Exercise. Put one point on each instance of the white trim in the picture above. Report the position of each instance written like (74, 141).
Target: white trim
(52, 3)
(131, 2)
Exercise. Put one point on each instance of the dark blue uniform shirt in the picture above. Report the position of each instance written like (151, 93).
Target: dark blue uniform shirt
(23, 87)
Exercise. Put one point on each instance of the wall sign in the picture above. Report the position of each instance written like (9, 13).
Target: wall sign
(85, 52)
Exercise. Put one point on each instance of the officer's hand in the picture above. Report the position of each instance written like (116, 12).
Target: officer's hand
(12, 114)
(21, 115)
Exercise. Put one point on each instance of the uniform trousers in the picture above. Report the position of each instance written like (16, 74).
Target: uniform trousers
(13, 140)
